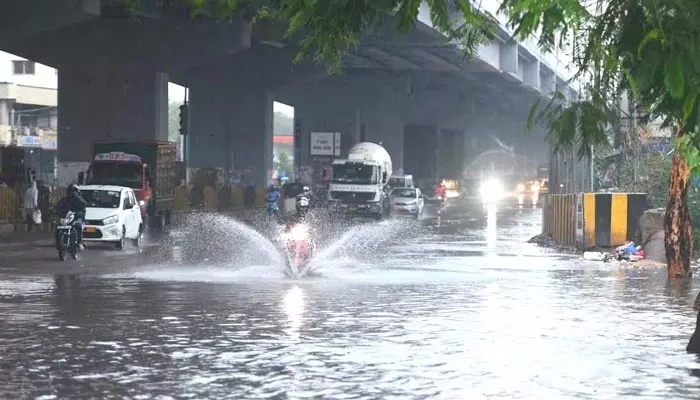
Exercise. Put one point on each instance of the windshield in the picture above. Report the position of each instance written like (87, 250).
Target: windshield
(355, 173)
(101, 198)
(118, 174)
(404, 193)
(397, 182)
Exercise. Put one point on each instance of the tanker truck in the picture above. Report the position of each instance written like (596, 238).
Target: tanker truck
(358, 182)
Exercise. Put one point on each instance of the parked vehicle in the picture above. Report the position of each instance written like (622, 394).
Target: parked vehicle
(67, 237)
(149, 168)
(113, 215)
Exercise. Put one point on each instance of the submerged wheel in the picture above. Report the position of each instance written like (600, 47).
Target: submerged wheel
(122, 241)
(139, 238)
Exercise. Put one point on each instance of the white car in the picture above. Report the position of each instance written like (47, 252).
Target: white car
(113, 215)
(407, 201)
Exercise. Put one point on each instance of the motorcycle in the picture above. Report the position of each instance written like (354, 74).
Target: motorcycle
(273, 209)
(302, 205)
(300, 248)
(67, 237)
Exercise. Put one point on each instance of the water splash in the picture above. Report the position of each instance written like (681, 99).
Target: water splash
(217, 239)
(361, 246)
(220, 248)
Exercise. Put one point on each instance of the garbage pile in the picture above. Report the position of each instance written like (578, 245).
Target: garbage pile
(628, 252)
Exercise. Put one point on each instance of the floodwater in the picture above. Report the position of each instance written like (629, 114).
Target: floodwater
(460, 311)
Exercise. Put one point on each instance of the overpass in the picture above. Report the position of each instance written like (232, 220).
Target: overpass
(412, 92)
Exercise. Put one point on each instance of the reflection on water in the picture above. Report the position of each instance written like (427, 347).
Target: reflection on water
(491, 226)
(293, 305)
(510, 327)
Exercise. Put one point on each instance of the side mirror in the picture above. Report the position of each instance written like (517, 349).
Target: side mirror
(81, 178)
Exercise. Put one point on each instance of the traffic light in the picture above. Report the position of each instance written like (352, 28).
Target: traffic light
(184, 121)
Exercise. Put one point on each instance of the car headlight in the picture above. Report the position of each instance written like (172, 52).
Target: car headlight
(110, 220)
(491, 190)
(535, 188)
(521, 187)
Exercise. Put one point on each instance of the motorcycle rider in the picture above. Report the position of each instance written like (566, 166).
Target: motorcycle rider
(76, 203)
(303, 201)
(271, 199)
(441, 191)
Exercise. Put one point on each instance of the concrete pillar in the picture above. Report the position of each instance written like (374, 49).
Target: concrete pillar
(386, 126)
(5, 107)
(109, 104)
(231, 124)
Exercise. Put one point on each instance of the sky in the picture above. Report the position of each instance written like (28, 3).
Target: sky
(177, 93)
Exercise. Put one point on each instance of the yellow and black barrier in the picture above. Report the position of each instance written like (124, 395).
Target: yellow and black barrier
(611, 219)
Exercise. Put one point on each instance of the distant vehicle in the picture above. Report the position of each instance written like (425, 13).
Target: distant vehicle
(358, 183)
(401, 181)
(407, 201)
(113, 215)
(149, 168)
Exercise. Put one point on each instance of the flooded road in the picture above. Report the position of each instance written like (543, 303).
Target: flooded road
(464, 310)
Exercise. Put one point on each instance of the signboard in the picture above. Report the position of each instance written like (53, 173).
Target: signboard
(324, 143)
(117, 156)
(28, 141)
(49, 140)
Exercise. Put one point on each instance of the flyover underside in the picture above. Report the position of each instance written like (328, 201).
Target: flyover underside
(113, 72)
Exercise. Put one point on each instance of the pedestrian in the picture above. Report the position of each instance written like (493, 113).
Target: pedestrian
(31, 204)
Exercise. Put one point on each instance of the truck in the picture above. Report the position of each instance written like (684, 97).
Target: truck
(358, 184)
(147, 167)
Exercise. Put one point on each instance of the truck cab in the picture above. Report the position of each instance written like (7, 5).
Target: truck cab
(122, 169)
(358, 183)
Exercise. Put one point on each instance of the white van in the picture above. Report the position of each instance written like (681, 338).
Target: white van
(401, 181)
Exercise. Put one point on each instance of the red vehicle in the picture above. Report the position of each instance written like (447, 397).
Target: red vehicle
(300, 249)
(441, 192)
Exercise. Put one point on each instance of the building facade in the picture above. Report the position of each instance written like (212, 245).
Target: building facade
(28, 120)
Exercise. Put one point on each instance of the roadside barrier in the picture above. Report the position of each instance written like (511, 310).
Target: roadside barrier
(612, 219)
(588, 220)
(12, 202)
(559, 218)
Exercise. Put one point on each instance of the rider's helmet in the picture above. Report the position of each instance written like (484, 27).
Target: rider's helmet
(306, 189)
(73, 190)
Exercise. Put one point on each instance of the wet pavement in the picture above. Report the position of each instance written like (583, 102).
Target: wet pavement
(462, 308)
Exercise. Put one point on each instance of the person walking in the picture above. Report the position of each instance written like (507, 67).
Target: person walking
(31, 204)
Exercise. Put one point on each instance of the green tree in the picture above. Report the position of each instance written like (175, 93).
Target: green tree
(645, 47)
(174, 121)
(286, 163)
